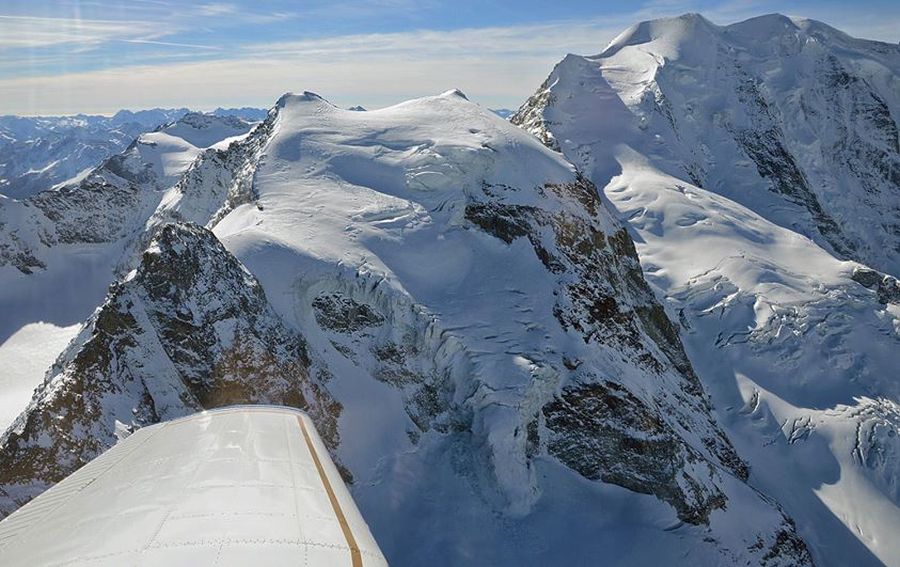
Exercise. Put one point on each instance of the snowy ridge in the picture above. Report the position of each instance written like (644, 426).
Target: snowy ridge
(798, 348)
(115, 199)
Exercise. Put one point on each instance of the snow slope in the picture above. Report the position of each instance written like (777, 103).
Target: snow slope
(226, 487)
(480, 349)
(25, 356)
(798, 348)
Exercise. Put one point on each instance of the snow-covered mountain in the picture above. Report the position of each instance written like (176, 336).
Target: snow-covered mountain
(452, 302)
(751, 163)
(37, 153)
(789, 117)
(665, 325)
(60, 249)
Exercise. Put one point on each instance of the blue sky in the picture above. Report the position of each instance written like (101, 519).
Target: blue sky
(68, 56)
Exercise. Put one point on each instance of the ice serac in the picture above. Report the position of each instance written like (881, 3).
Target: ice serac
(704, 141)
(789, 117)
(189, 329)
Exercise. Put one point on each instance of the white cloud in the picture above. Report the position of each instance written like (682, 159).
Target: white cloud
(556, 38)
(216, 9)
(171, 44)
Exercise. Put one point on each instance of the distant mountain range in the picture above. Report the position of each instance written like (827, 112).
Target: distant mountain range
(39, 152)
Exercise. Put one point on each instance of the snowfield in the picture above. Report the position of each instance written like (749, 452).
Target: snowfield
(25, 357)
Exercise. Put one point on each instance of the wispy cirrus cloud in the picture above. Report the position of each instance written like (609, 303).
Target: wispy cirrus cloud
(30, 31)
(172, 44)
(515, 41)
(216, 9)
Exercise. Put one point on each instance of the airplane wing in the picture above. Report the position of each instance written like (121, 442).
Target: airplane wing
(246, 485)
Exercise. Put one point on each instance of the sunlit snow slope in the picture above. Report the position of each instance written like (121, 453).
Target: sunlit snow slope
(727, 151)
(789, 117)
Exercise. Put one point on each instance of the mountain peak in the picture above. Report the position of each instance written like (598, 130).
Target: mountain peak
(454, 93)
(689, 27)
(764, 27)
(290, 98)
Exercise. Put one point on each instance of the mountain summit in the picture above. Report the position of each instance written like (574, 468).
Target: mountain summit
(789, 117)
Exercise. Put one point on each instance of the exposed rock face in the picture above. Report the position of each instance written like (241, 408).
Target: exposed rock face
(77, 218)
(344, 315)
(217, 181)
(764, 142)
(531, 117)
(606, 433)
(190, 329)
(887, 288)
